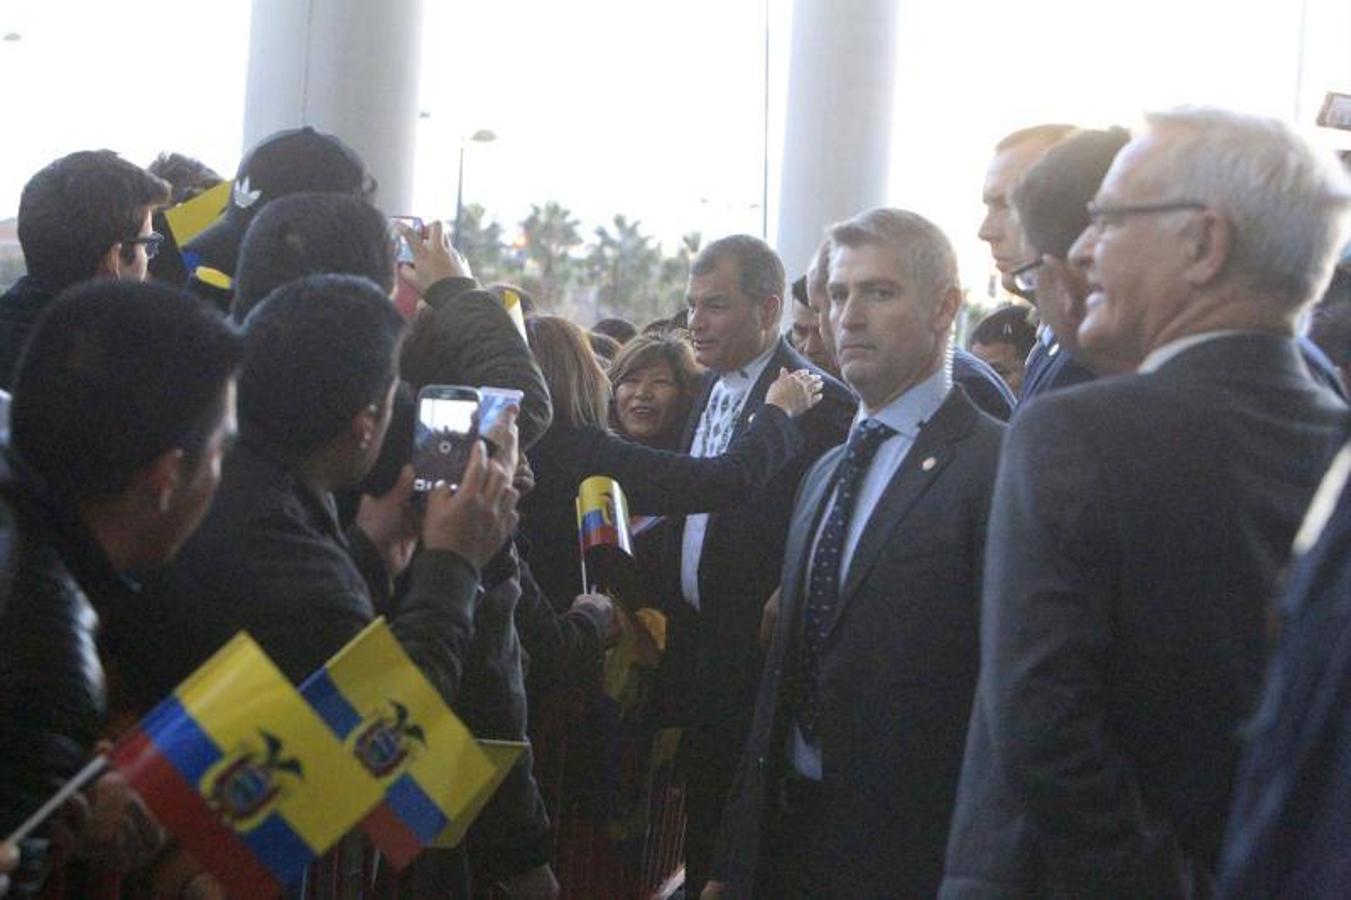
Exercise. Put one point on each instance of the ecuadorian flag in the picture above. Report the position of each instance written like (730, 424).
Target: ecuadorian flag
(246, 776)
(396, 726)
(603, 515)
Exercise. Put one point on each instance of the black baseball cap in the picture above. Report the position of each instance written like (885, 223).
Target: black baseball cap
(289, 162)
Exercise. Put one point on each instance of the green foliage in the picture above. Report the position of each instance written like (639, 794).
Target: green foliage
(620, 271)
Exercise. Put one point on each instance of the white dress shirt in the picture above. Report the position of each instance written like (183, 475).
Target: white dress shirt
(717, 424)
(904, 415)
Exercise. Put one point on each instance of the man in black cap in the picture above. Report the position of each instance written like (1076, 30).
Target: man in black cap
(287, 162)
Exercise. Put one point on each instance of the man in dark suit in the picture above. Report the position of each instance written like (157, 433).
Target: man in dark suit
(1291, 819)
(722, 567)
(1139, 522)
(851, 770)
(1051, 203)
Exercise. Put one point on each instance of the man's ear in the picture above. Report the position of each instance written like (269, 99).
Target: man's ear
(364, 425)
(159, 480)
(945, 311)
(110, 263)
(772, 309)
(1210, 242)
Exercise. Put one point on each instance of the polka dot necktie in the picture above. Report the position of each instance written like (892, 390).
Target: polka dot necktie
(823, 589)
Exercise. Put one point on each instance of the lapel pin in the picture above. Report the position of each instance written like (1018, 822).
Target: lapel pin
(928, 463)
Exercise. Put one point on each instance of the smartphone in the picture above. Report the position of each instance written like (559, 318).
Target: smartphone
(405, 253)
(493, 403)
(444, 435)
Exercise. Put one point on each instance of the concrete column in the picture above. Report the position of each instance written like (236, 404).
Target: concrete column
(348, 67)
(837, 135)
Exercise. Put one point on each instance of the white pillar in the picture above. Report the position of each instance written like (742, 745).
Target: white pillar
(347, 67)
(837, 135)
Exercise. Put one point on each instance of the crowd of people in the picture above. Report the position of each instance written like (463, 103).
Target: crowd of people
(1062, 613)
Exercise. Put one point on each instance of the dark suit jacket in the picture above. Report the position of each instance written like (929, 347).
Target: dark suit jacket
(1050, 369)
(897, 670)
(1291, 822)
(1137, 530)
(713, 661)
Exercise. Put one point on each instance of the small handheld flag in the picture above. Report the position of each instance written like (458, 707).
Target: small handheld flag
(605, 539)
(247, 777)
(394, 723)
(191, 217)
(511, 302)
(503, 755)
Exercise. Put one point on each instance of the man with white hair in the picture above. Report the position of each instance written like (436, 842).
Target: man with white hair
(1139, 522)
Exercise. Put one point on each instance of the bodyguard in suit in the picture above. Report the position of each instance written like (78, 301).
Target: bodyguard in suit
(1139, 522)
(850, 773)
(722, 567)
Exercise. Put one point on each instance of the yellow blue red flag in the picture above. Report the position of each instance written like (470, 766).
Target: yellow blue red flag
(503, 755)
(241, 770)
(396, 725)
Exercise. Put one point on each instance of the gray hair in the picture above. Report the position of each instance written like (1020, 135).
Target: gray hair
(925, 251)
(1286, 200)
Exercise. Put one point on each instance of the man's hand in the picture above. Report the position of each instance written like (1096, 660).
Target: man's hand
(506, 440)
(476, 520)
(606, 608)
(537, 884)
(121, 835)
(391, 524)
(795, 392)
(713, 890)
(434, 259)
(769, 619)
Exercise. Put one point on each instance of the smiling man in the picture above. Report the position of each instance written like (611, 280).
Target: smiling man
(850, 774)
(723, 566)
(1139, 522)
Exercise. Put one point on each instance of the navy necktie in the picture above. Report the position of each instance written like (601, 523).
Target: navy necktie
(823, 589)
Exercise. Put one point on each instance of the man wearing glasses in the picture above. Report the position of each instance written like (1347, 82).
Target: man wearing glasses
(1139, 522)
(86, 215)
(1050, 202)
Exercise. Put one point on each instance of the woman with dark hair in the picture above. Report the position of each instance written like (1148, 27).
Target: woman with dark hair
(578, 445)
(655, 379)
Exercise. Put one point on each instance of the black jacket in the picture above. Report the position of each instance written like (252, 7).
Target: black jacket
(476, 345)
(713, 660)
(897, 671)
(269, 558)
(55, 582)
(20, 308)
(654, 481)
(1136, 533)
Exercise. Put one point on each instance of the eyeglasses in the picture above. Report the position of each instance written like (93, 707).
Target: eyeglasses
(152, 243)
(1025, 276)
(1101, 215)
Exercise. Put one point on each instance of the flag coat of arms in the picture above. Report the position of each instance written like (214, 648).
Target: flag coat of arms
(395, 724)
(243, 772)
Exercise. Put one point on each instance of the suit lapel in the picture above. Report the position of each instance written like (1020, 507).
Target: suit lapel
(756, 398)
(934, 448)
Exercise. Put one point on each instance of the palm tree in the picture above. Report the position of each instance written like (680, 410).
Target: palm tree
(550, 235)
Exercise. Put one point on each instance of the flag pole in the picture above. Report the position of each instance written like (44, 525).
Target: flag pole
(93, 769)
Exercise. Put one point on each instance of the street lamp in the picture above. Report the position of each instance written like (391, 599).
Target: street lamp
(482, 136)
